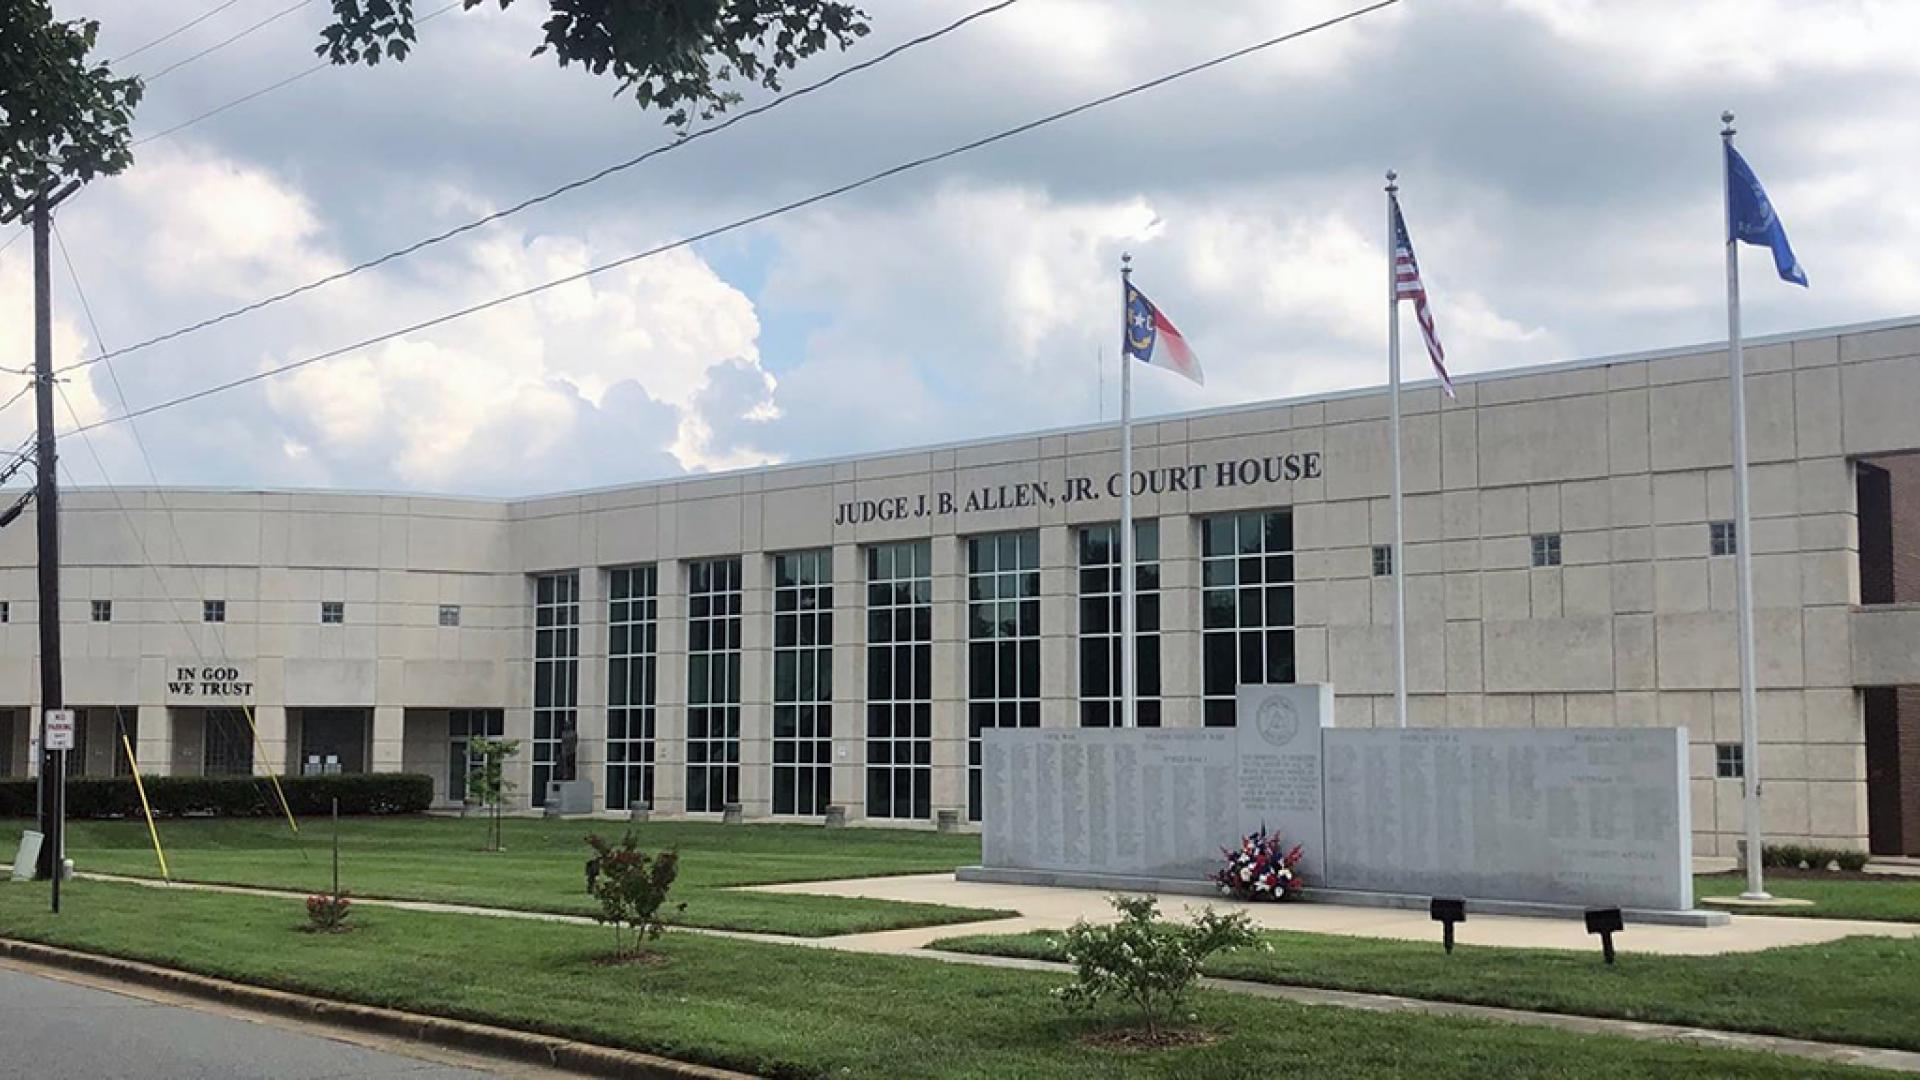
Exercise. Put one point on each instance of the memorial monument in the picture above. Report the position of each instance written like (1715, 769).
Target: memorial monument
(1523, 821)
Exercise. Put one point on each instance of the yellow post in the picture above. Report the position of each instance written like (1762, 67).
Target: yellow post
(141, 786)
(273, 778)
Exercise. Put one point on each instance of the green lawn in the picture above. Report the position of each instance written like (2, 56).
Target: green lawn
(542, 866)
(1888, 899)
(1862, 990)
(799, 1012)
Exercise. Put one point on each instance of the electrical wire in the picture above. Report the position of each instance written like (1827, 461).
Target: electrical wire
(173, 33)
(133, 529)
(211, 49)
(570, 186)
(741, 223)
(265, 90)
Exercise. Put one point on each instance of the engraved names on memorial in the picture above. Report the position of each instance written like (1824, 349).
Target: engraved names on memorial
(1575, 816)
(1155, 802)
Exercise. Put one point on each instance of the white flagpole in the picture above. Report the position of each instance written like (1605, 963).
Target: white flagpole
(1742, 537)
(1393, 376)
(1127, 717)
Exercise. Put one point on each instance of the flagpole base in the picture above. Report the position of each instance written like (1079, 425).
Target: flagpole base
(1761, 897)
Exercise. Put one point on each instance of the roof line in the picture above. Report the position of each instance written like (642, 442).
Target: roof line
(1468, 378)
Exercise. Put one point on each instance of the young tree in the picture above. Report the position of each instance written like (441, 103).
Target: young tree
(631, 887)
(488, 783)
(679, 55)
(62, 117)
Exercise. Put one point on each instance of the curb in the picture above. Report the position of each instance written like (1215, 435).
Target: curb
(524, 1046)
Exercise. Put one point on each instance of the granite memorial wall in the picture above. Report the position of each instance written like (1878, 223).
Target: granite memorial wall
(1572, 816)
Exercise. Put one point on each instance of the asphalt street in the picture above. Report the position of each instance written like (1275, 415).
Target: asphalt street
(51, 1029)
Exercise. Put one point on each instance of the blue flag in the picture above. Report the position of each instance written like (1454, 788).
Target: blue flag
(1750, 218)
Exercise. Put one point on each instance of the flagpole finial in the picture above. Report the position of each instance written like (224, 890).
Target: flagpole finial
(1726, 120)
(1391, 177)
(1126, 264)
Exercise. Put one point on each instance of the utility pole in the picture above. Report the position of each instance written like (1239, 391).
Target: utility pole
(47, 522)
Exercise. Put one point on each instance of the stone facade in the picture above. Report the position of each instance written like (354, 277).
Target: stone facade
(1560, 571)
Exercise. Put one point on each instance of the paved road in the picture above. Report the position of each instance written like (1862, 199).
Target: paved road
(57, 1030)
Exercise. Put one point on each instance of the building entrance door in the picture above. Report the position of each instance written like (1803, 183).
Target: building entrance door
(333, 741)
(1893, 770)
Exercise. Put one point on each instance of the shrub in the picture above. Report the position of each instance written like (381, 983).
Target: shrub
(1799, 857)
(229, 796)
(1145, 960)
(631, 887)
(327, 912)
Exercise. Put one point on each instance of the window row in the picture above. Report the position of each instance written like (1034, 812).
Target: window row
(1247, 597)
(332, 612)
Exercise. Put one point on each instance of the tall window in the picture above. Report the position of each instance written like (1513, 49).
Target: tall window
(1003, 642)
(463, 727)
(1100, 628)
(76, 758)
(556, 680)
(900, 680)
(633, 643)
(1246, 576)
(125, 720)
(802, 682)
(713, 684)
(227, 743)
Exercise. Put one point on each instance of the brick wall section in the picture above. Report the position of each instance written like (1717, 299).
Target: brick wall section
(1890, 572)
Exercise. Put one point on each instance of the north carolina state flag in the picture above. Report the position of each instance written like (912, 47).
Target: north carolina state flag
(1146, 328)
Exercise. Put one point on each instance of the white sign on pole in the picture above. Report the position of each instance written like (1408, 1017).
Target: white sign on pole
(59, 729)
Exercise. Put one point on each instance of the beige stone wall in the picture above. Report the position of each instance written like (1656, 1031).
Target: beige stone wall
(1628, 461)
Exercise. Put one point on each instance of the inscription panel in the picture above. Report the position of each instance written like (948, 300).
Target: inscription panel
(1586, 816)
(1156, 802)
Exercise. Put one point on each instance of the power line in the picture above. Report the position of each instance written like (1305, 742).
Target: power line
(209, 50)
(265, 90)
(572, 185)
(175, 32)
(133, 529)
(741, 223)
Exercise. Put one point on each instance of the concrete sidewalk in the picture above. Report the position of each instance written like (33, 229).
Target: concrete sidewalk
(1046, 908)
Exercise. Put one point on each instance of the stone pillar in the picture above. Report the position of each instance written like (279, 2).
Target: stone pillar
(1059, 623)
(389, 739)
(670, 691)
(756, 685)
(590, 711)
(950, 673)
(1180, 669)
(153, 746)
(849, 680)
(270, 750)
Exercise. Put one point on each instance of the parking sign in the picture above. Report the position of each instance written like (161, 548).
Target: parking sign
(59, 729)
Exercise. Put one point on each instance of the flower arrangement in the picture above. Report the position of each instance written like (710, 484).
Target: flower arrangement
(1262, 867)
(327, 912)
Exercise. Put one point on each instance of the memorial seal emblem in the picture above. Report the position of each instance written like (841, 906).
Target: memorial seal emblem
(1277, 721)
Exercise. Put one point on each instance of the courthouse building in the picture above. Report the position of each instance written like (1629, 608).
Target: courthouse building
(839, 632)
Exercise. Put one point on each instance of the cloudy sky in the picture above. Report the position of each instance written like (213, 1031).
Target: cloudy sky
(1559, 165)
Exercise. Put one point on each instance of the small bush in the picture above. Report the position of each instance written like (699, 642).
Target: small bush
(1800, 857)
(1145, 960)
(327, 912)
(229, 796)
(631, 887)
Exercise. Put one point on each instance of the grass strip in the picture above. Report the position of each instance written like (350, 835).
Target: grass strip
(542, 866)
(792, 1011)
(1861, 990)
(1884, 899)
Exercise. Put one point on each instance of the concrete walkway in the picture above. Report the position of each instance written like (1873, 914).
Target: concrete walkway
(1045, 908)
(1051, 908)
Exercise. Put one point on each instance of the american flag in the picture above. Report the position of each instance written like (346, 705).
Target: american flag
(1406, 282)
